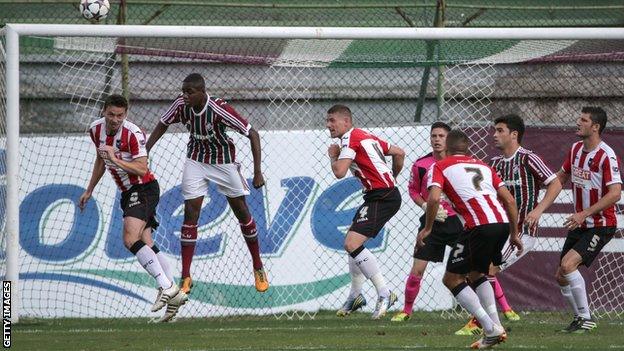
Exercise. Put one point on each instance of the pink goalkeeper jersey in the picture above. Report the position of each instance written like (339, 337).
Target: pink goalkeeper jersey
(471, 186)
(418, 181)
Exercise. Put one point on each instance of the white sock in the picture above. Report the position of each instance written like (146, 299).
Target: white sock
(147, 258)
(357, 279)
(380, 284)
(577, 288)
(567, 293)
(469, 300)
(367, 263)
(488, 301)
(164, 263)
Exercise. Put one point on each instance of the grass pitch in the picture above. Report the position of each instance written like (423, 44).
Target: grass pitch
(427, 331)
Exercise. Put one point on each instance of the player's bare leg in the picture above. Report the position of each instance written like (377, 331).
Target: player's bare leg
(412, 287)
(250, 233)
(573, 289)
(367, 263)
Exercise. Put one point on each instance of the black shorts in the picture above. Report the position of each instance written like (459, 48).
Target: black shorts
(378, 207)
(588, 242)
(140, 202)
(477, 248)
(443, 234)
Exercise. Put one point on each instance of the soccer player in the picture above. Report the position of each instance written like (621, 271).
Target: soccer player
(364, 154)
(210, 157)
(446, 226)
(474, 189)
(120, 146)
(594, 169)
(524, 173)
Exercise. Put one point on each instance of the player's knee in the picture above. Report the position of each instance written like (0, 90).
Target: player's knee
(451, 281)
(568, 267)
(349, 246)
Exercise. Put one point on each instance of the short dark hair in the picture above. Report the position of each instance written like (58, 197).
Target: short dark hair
(342, 109)
(440, 125)
(457, 142)
(117, 101)
(196, 80)
(597, 115)
(514, 123)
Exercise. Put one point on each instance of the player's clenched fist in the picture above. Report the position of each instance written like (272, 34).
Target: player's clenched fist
(333, 151)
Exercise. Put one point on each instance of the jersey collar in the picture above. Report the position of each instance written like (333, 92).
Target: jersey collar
(203, 109)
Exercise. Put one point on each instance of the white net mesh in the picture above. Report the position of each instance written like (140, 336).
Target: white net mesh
(284, 88)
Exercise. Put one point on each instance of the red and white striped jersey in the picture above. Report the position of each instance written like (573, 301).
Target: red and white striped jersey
(591, 172)
(471, 186)
(368, 154)
(209, 142)
(129, 144)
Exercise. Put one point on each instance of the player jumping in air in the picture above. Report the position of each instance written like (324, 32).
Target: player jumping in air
(364, 154)
(210, 157)
(120, 146)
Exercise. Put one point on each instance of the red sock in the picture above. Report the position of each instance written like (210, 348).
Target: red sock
(499, 294)
(251, 239)
(188, 238)
(412, 286)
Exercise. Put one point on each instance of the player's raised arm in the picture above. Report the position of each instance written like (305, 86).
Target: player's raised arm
(254, 139)
(398, 158)
(340, 167)
(137, 166)
(158, 132)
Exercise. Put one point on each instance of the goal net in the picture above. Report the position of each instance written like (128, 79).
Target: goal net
(73, 263)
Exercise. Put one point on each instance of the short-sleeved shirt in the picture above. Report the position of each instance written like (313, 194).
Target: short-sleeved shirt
(368, 154)
(524, 173)
(471, 186)
(209, 142)
(418, 181)
(129, 144)
(591, 172)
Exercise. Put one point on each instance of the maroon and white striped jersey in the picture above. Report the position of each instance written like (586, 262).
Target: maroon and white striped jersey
(591, 172)
(209, 142)
(129, 144)
(471, 186)
(368, 154)
(523, 173)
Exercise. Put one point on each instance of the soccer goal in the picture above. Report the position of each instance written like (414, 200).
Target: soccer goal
(397, 81)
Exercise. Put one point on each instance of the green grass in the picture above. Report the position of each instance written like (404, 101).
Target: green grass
(325, 332)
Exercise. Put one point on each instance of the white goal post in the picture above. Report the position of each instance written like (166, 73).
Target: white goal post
(13, 32)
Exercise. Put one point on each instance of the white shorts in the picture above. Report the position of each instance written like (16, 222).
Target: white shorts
(197, 176)
(509, 253)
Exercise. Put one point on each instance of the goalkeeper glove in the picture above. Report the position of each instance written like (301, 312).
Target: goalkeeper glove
(441, 215)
